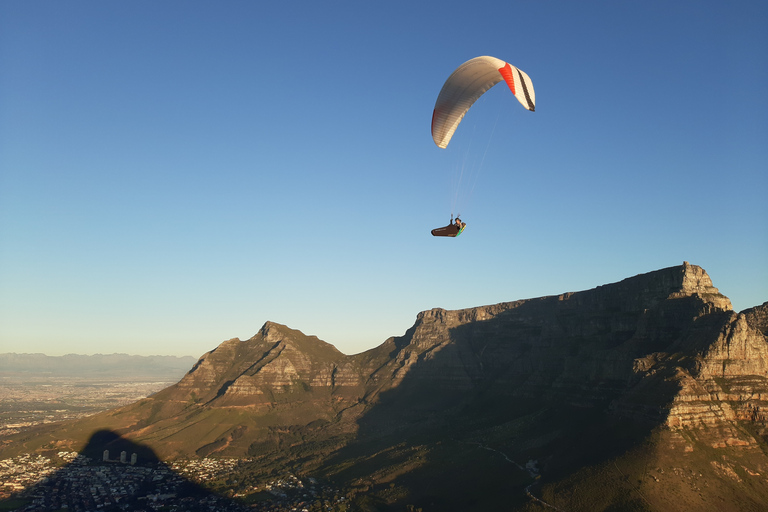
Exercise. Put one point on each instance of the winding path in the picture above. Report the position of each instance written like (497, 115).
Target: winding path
(532, 473)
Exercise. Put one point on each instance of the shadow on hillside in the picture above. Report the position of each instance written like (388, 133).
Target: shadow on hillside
(129, 477)
(541, 383)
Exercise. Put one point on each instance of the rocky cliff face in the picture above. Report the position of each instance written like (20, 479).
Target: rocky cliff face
(586, 347)
(725, 381)
(664, 346)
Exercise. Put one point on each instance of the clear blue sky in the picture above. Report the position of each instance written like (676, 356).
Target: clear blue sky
(174, 174)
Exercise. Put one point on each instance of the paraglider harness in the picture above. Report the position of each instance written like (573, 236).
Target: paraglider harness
(453, 229)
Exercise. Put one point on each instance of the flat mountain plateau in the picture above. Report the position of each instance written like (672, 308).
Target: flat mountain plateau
(646, 394)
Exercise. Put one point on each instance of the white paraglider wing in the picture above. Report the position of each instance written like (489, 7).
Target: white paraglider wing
(465, 85)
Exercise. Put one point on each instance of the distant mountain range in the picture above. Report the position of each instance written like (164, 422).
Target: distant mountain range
(646, 394)
(112, 366)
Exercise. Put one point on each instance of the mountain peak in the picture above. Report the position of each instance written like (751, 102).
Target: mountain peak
(696, 281)
(273, 332)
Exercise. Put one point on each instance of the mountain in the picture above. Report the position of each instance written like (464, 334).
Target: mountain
(646, 394)
(112, 366)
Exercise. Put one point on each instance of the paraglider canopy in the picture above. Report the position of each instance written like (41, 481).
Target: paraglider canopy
(470, 81)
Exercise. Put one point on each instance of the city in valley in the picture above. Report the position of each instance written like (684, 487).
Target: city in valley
(70, 481)
(122, 481)
(26, 401)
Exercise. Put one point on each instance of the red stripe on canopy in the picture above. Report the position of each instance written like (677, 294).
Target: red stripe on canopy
(506, 72)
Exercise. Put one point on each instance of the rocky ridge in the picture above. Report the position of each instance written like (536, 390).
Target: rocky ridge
(614, 346)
